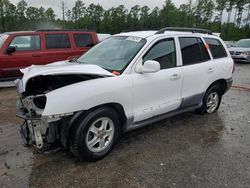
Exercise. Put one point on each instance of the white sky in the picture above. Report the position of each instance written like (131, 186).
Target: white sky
(56, 4)
(106, 4)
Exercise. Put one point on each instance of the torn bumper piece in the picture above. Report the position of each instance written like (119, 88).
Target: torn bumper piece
(36, 129)
(24, 131)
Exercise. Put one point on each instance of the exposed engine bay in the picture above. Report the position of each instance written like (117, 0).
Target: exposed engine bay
(44, 84)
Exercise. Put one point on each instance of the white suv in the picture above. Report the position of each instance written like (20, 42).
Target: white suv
(127, 81)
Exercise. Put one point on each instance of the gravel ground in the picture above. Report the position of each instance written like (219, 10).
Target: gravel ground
(184, 151)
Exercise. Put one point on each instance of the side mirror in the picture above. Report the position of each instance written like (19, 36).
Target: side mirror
(150, 66)
(10, 50)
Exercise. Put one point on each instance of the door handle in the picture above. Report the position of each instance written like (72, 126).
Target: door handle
(34, 55)
(175, 76)
(67, 53)
(210, 70)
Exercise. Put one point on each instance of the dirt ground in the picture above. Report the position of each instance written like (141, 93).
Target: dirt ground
(184, 151)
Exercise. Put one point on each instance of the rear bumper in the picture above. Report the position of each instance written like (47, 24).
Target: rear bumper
(229, 84)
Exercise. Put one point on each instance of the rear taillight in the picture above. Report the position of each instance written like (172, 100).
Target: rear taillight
(234, 67)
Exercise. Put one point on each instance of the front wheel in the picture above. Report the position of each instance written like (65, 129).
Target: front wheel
(95, 134)
(211, 101)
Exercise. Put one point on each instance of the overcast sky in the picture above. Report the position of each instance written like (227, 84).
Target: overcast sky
(56, 4)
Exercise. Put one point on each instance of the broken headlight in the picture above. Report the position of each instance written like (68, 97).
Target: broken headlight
(34, 103)
(40, 102)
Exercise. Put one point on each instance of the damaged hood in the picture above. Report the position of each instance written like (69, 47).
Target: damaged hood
(62, 68)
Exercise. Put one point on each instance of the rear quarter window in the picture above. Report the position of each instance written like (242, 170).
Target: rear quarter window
(83, 40)
(216, 48)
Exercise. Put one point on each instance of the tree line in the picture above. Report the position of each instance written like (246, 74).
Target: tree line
(231, 18)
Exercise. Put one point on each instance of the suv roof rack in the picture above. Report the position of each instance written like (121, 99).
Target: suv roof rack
(184, 29)
(51, 30)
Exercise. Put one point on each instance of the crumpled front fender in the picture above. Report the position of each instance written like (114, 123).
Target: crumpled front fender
(88, 94)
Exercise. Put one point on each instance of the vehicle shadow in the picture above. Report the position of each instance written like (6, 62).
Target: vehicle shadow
(162, 139)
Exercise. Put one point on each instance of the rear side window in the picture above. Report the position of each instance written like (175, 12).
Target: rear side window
(55, 41)
(193, 50)
(163, 52)
(204, 52)
(216, 48)
(83, 40)
(26, 43)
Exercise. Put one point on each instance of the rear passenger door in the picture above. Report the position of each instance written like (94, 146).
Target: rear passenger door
(57, 47)
(198, 70)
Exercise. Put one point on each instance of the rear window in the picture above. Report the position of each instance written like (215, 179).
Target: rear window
(193, 50)
(216, 48)
(83, 40)
(55, 41)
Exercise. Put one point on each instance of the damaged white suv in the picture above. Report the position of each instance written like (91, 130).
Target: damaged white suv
(127, 81)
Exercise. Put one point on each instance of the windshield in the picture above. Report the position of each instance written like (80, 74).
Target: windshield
(113, 54)
(242, 43)
(2, 39)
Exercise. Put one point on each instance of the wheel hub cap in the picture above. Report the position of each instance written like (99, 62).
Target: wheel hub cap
(212, 102)
(100, 134)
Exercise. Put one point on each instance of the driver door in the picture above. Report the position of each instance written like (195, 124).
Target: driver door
(28, 52)
(160, 92)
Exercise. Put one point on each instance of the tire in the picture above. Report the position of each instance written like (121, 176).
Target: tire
(211, 101)
(95, 134)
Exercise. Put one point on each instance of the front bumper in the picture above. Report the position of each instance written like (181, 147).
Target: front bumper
(241, 58)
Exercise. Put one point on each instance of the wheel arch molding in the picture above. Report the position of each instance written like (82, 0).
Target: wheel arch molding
(66, 127)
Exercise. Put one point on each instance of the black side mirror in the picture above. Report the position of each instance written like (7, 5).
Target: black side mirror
(10, 50)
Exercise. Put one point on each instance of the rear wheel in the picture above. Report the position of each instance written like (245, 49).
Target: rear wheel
(211, 101)
(95, 134)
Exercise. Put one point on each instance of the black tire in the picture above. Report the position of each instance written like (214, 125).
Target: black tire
(204, 107)
(78, 143)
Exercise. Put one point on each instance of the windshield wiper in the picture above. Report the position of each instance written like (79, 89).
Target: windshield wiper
(74, 60)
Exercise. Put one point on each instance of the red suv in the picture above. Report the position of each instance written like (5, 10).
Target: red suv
(22, 49)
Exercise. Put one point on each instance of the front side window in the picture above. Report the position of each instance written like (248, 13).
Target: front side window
(83, 40)
(193, 50)
(216, 48)
(55, 41)
(26, 43)
(113, 54)
(163, 52)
